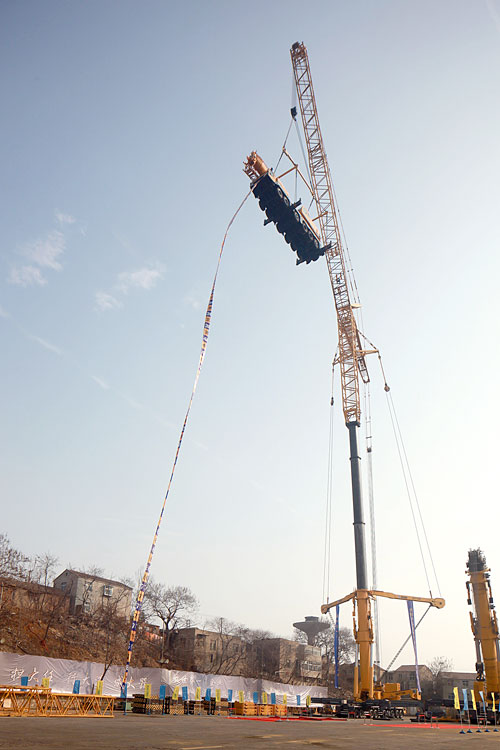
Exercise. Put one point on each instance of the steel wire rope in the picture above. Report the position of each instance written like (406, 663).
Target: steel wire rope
(283, 146)
(350, 267)
(329, 491)
(388, 669)
(371, 504)
(406, 463)
(415, 493)
(206, 328)
(409, 495)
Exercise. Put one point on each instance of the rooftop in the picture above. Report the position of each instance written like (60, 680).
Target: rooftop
(92, 577)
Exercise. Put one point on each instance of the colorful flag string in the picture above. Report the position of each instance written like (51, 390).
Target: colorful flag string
(145, 577)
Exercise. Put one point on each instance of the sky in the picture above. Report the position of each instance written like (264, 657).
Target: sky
(125, 127)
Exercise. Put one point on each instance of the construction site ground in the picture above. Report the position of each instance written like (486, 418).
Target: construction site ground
(138, 732)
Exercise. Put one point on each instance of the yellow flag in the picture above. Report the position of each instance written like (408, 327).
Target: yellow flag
(197, 695)
(308, 700)
(217, 695)
(284, 699)
(264, 698)
(493, 699)
(45, 682)
(241, 697)
(147, 690)
(473, 700)
(98, 687)
(457, 699)
(175, 694)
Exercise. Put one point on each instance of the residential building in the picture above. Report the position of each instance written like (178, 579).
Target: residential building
(208, 651)
(26, 595)
(88, 593)
(406, 676)
(270, 658)
(286, 661)
(446, 681)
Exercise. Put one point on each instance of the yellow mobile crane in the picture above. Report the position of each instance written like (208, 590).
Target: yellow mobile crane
(310, 243)
(484, 626)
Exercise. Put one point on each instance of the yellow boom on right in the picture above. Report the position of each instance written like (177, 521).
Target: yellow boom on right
(484, 625)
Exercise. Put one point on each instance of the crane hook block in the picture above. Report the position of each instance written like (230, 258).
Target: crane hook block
(293, 222)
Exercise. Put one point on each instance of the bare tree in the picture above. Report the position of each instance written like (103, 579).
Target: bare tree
(12, 562)
(231, 645)
(173, 605)
(325, 640)
(41, 568)
(114, 629)
(437, 666)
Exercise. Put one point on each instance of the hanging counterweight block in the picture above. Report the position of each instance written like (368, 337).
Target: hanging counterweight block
(289, 221)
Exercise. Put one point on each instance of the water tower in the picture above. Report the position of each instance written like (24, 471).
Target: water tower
(311, 627)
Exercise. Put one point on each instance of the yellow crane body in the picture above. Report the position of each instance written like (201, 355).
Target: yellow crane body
(364, 687)
(484, 626)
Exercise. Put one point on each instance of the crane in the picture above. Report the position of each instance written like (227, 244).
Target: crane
(484, 626)
(274, 200)
(353, 369)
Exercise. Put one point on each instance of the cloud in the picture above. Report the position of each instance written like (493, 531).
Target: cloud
(191, 300)
(47, 345)
(143, 278)
(64, 218)
(106, 301)
(4, 313)
(45, 253)
(100, 382)
(27, 276)
(42, 254)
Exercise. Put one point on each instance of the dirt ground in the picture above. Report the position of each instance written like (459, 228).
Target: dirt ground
(136, 732)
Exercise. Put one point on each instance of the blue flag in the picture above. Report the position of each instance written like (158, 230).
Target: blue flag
(184, 693)
(273, 699)
(208, 694)
(76, 687)
(298, 700)
(24, 681)
(163, 692)
(230, 696)
(466, 701)
(411, 615)
(255, 697)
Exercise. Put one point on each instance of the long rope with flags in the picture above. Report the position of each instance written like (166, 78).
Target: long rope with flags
(145, 577)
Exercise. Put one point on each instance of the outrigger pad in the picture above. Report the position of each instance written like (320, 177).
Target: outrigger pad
(289, 222)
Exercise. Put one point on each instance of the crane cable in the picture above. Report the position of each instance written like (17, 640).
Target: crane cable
(329, 493)
(406, 641)
(371, 503)
(145, 577)
(410, 489)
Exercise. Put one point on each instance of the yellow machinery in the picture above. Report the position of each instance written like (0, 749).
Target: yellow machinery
(310, 243)
(484, 627)
(352, 363)
(364, 687)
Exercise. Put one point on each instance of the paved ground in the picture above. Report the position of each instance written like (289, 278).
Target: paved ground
(217, 733)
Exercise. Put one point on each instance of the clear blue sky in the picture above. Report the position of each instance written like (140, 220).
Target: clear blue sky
(125, 126)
